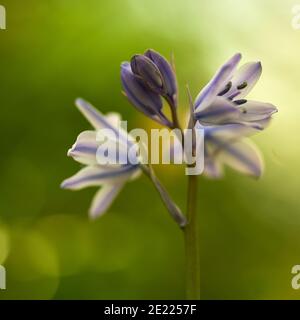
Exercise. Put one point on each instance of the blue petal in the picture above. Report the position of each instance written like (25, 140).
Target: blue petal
(85, 148)
(167, 72)
(247, 75)
(220, 111)
(104, 198)
(242, 156)
(144, 68)
(99, 121)
(213, 168)
(255, 111)
(141, 97)
(96, 176)
(217, 84)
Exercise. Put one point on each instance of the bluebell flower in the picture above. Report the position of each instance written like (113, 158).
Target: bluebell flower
(229, 145)
(222, 100)
(146, 79)
(225, 145)
(111, 177)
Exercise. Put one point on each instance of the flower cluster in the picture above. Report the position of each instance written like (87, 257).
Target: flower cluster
(220, 109)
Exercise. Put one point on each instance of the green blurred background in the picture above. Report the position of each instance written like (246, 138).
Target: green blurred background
(54, 51)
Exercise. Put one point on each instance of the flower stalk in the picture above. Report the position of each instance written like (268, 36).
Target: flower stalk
(220, 110)
(191, 237)
(191, 230)
(173, 209)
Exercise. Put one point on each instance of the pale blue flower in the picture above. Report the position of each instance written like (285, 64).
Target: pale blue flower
(111, 178)
(229, 145)
(222, 100)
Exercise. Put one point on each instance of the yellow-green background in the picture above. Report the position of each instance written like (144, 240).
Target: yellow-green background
(54, 51)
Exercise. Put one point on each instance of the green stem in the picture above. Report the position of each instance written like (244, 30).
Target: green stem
(192, 243)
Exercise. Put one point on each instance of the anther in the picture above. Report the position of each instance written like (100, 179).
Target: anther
(227, 88)
(242, 86)
(240, 102)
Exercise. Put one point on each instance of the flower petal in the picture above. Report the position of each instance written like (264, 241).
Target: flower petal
(94, 116)
(141, 97)
(145, 68)
(114, 118)
(89, 150)
(99, 121)
(220, 111)
(244, 157)
(95, 176)
(213, 168)
(244, 80)
(85, 148)
(104, 198)
(229, 132)
(218, 82)
(254, 111)
(263, 124)
(167, 72)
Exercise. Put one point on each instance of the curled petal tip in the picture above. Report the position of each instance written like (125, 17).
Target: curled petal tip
(235, 59)
(79, 102)
(238, 55)
(69, 153)
(124, 64)
(64, 185)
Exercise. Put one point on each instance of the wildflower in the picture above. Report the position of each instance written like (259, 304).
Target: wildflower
(223, 101)
(111, 177)
(146, 80)
(229, 145)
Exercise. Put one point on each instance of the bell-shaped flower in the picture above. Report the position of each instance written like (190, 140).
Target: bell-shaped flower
(110, 177)
(222, 100)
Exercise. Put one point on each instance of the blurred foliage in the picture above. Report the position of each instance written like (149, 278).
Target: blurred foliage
(56, 50)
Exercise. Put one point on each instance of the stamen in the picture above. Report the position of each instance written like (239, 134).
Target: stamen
(227, 88)
(242, 85)
(235, 94)
(243, 110)
(240, 102)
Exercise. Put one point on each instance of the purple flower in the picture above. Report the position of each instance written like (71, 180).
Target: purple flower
(146, 80)
(229, 145)
(111, 178)
(223, 101)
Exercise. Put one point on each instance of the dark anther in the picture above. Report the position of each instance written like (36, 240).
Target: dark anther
(242, 86)
(240, 102)
(227, 88)
(243, 110)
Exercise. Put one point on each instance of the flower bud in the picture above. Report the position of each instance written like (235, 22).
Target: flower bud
(140, 96)
(167, 74)
(148, 72)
